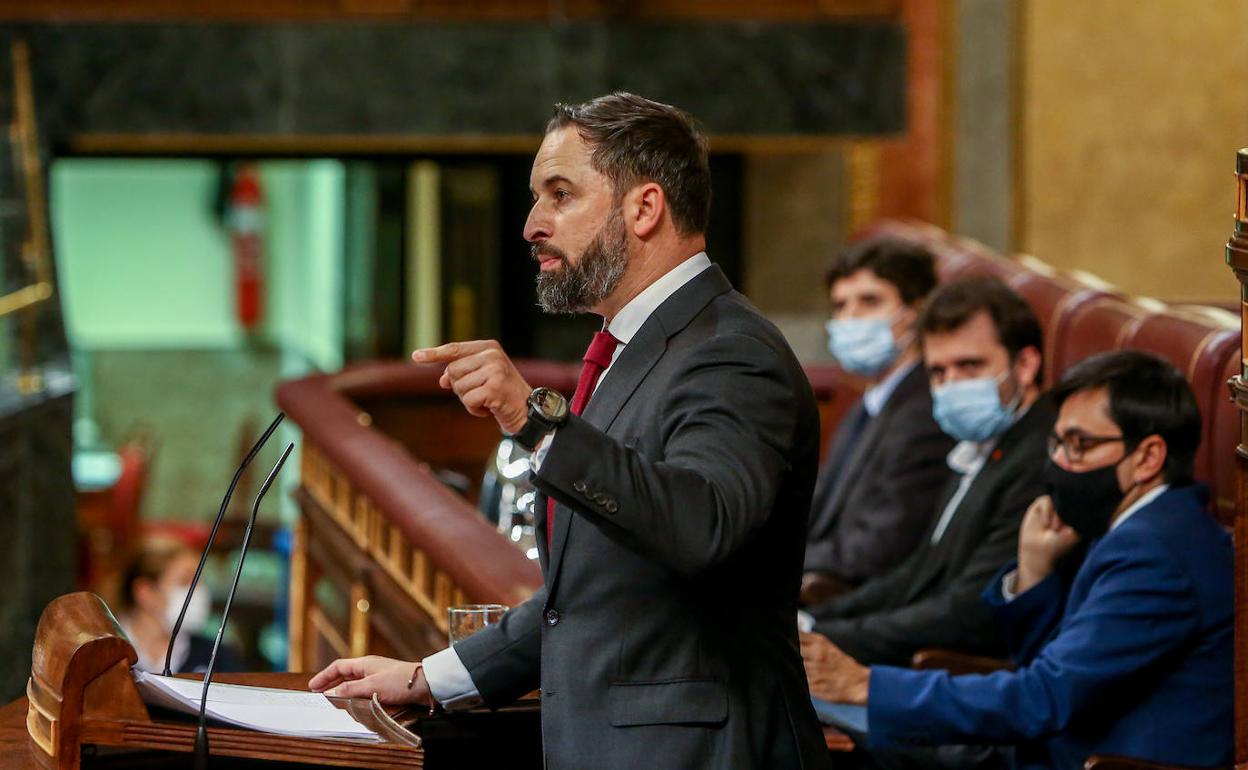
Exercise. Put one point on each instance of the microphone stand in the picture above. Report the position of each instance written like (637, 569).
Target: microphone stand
(201, 734)
(212, 536)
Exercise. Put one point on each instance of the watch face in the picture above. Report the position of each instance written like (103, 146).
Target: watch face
(550, 403)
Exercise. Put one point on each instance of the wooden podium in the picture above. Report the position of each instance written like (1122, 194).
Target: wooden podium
(83, 703)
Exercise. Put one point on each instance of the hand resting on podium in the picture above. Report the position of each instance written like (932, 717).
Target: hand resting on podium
(395, 682)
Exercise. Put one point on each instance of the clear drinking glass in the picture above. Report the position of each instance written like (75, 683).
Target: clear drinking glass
(465, 620)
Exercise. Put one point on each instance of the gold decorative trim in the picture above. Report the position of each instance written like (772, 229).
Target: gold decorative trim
(862, 185)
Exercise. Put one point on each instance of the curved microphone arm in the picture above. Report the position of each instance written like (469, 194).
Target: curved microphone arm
(201, 735)
(212, 536)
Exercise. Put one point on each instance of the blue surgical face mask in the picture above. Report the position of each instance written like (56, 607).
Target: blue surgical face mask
(863, 346)
(971, 410)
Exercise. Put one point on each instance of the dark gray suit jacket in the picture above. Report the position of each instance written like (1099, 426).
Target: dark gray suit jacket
(870, 514)
(932, 599)
(665, 635)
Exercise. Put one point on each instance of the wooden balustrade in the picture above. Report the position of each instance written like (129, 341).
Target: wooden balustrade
(383, 547)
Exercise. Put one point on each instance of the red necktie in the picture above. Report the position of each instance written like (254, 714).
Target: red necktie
(597, 359)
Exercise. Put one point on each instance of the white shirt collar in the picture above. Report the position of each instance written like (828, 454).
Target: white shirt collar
(639, 308)
(967, 457)
(877, 395)
(1144, 500)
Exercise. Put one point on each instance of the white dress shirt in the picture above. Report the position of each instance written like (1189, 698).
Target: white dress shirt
(448, 678)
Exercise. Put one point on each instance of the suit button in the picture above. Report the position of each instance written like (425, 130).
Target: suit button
(601, 499)
(580, 487)
(611, 506)
(552, 617)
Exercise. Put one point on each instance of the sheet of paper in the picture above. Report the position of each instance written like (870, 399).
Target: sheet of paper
(285, 712)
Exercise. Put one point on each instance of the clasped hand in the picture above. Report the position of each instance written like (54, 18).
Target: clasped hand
(1043, 538)
(484, 379)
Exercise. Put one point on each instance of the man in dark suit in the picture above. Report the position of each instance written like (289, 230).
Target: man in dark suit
(886, 463)
(679, 488)
(1134, 655)
(981, 348)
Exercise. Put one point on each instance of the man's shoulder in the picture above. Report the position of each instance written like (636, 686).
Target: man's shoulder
(1176, 529)
(731, 318)
(1171, 543)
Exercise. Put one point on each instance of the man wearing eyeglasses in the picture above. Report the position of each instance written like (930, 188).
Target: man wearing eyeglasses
(1130, 656)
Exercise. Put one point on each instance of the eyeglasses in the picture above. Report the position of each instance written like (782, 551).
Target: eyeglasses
(1075, 444)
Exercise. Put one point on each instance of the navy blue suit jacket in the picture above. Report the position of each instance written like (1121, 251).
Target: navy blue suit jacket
(1136, 659)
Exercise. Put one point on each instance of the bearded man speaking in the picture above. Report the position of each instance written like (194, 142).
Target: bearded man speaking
(675, 484)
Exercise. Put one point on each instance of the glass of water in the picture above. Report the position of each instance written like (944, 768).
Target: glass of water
(464, 620)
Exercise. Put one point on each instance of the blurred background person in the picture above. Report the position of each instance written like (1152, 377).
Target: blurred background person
(885, 465)
(153, 590)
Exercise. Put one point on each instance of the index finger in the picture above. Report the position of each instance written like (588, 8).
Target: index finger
(343, 669)
(451, 351)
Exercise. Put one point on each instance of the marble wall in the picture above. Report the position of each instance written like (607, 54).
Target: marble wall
(444, 79)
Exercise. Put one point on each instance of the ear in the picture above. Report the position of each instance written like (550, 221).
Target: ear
(1027, 366)
(648, 205)
(1150, 459)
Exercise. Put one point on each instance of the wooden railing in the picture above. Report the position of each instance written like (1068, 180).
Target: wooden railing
(383, 547)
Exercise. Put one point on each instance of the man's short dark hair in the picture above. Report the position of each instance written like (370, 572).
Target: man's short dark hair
(1147, 396)
(635, 140)
(951, 306)
(907, 265)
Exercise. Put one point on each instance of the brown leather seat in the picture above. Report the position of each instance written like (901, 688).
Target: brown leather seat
(1096, 326)
(1056, 298)
(1082, 316)
(1202, 342)
(1223, 439)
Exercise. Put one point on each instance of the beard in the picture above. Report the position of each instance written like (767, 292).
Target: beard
(575, 288)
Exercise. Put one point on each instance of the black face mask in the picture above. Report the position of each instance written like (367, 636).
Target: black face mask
(1085, 501)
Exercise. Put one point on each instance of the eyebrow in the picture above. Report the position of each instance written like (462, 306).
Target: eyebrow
(550, 180)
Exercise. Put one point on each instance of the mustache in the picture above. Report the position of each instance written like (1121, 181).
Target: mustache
(538, 250)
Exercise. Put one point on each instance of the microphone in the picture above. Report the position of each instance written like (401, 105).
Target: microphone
(212, 536)
(201, 734)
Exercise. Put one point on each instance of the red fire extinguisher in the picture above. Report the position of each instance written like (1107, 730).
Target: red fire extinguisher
(246, 220)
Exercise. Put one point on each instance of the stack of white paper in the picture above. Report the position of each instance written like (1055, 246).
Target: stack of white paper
(285, 712)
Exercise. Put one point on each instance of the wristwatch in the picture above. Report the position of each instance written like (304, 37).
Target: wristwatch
(548, 409)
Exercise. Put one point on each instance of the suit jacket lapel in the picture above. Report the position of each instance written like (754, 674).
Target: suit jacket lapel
(540, 531)
(647, 346)
(628, 371)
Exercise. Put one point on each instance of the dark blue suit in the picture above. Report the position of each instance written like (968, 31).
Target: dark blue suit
(1136, 659)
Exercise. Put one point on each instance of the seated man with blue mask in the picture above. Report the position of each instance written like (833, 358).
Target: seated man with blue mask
(981, 347)
(1133, 655)
(886, 462)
